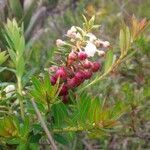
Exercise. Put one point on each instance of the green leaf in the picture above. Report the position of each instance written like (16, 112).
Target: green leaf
(5, 68)
(20, 67)
(13, 141)
(124, 40)
(25, 128)
(28, 76)
(21, 45)
(96, 26)
(80, 115)
(34, 146)
(3, 57)
(85, 108)
(16, 45)
(35, 138)
(85, 20)
(109, 60)
(12, 55)
(22, 146)
(38, 85)
(60, 114)
(6, 123)
(91, 21)
(128, 37)
(121, 39)
(47, 84)
(61, 139)
(94, 111)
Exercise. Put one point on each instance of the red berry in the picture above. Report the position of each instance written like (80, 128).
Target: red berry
(61, 73)
(65, 99)
(53, 80)
(72, 83)
(64, 90)
(80, 75)
(82, 55)
(87, 64)
(88, 74)
(95, 66)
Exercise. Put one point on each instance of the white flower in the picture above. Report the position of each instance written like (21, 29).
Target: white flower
(9, 90)
(92, 37)
(90, 49)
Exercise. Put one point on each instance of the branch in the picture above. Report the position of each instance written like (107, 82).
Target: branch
(50, 139)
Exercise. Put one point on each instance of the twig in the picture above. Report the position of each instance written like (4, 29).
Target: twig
(88, 146)
(50, 139)
(74, 144)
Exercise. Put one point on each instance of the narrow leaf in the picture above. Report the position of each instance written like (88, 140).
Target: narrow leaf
(128, 38)
(3, 57)
(121, 39)
(109, 60)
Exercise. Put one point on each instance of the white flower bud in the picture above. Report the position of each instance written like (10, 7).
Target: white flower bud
(71, 34)
(101, 53)
(106, 44)
(90, 49)
(60, 42)
(100, 43)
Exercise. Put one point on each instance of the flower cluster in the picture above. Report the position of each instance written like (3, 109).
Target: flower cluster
(78, 66)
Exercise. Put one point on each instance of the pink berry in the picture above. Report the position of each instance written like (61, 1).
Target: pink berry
(72, 83)
(70, 62)
(87, 64)
(64, 90)
(95, 66)
(82, 55)
(88, 74)
(61, 73)
(53, 80)
(72, 56)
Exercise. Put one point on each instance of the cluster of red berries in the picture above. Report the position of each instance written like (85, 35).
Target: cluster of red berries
(77, 70)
